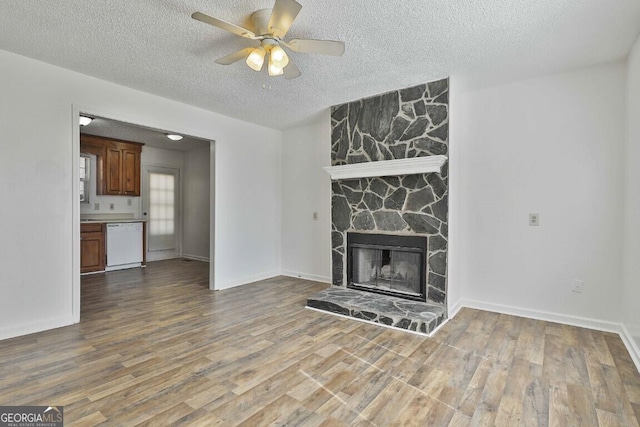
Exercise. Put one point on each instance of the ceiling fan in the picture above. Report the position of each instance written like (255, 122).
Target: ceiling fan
(269, 28)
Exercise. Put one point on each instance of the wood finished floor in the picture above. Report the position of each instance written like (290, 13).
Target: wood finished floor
(155, 347)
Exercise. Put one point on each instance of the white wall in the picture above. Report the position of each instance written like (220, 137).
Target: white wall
(552, 146)
(39, 206)
(306, 188)
(631, 289)
(153, 156)
(197, 191)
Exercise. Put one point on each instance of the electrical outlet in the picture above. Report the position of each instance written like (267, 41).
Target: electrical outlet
(577, 286)
(534, 219)
(128, 202)
(112, 206)
(96, 206)
(315, 216)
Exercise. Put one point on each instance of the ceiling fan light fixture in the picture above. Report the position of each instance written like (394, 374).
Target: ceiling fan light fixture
(255, 60)
(274, 70)
(174, 137)
(84, 120)
(270, 27)
(279, 57)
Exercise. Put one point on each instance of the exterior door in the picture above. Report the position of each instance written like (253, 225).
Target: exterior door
(161, 208)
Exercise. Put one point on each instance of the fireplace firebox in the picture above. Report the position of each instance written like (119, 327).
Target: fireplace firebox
(387, 264)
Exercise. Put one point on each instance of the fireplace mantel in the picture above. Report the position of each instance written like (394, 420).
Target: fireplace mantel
(387, 168)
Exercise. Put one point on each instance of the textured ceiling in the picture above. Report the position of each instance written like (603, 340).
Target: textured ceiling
(155, 46)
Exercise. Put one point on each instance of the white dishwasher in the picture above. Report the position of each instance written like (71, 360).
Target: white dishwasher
(124, 245)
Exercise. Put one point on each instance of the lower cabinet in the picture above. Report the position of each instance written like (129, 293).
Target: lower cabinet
(92, 248)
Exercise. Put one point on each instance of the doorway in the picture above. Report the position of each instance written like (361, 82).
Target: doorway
(193, 148)
(161, 209)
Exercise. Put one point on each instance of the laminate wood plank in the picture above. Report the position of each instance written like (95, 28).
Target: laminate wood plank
(90, 420)
(581, 405)
(559, 414)
(510, 408)
(553, 366)
(602, 349)
(156, 347)
(535, 405)
(607, 419)
(633, 392)
(576, 367)
(600, 392)
(486, 410)
(471, 399)
(199, 418)
(328, 391)
(390, 402)
(277, 410)
(636, 410)
(166, 417)
(460, 420)
(624, 409)
(362, 392)
(439, 414)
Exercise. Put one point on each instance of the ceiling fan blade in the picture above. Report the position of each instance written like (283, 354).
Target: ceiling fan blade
(283, 14)
(236, 56)
(291, 71)
(233, 29)
(324, 47)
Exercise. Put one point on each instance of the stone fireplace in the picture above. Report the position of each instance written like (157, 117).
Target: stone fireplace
(387, 264)
(406, 124)
(389, 208)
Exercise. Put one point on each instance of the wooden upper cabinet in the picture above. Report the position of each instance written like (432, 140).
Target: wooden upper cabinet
(118, 164)
(131, 172)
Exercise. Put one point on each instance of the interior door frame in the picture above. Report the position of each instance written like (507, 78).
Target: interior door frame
(116, 114)
(145, 168)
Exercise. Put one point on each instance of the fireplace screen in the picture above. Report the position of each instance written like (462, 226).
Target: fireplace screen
(379, 263)
(393, 270)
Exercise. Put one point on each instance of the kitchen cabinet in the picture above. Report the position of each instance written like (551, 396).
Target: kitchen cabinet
(118, 164)
(92, 248)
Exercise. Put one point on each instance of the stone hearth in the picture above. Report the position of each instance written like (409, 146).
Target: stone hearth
(398, 313)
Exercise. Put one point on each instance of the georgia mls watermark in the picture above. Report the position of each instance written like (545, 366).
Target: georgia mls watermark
(31, 416)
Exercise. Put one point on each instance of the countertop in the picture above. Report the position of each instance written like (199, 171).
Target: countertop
(109, 221)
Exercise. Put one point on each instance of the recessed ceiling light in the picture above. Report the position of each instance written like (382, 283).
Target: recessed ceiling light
(174, 137)
(84, 120)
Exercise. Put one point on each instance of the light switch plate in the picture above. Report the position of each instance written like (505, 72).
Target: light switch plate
(96, 206)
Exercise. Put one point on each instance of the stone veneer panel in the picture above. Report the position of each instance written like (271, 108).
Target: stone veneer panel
(408, 123)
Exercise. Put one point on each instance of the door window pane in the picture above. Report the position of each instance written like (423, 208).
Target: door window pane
(161, 211)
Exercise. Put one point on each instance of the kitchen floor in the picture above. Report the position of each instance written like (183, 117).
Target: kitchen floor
(156, 347)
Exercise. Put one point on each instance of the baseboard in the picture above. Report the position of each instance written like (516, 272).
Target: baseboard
(631, 345)
(583, 322)
(31, 328)
(195, 257)
(246, 280)
(454, 308)
(313, 277)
